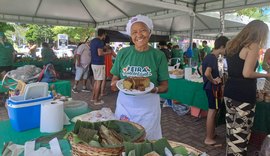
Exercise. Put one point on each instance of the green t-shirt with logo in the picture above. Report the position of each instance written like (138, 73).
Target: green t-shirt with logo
(6, 54)
(151, 63)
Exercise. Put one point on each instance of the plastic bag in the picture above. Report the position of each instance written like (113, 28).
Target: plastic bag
(181, 109)
(27, 73)
(265, 149)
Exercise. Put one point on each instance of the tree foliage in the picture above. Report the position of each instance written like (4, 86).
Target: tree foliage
(254, 12)
(6, 27)
(39, 33)
(75, 34)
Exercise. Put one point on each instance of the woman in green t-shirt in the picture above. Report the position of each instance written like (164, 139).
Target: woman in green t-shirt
(141, 60)
(177, 54)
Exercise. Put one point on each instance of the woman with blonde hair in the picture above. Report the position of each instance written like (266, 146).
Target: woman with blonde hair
(240, 88)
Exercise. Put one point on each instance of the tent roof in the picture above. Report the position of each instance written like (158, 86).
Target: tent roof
(169, 16)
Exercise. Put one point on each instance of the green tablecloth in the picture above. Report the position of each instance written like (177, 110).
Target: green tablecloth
(262, 117)
(192, 93)
(8, 134)
(61, 86)
(187, 92)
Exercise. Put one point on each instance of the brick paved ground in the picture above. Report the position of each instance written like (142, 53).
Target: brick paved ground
(186, 129)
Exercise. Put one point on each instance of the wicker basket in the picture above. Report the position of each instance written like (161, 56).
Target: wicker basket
(87, 150)
(189, 148)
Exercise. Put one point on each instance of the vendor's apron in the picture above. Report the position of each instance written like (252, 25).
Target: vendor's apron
(143, 109)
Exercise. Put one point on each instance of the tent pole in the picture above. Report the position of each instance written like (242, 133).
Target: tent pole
(191, 35)
(222, 23)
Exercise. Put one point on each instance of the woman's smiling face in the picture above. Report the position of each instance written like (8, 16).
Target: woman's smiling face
(140, 35)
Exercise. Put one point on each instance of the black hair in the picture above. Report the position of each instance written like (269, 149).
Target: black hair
(220, 41)
(204, 42)
(194, 45)
(101, 32)
(45, 44)
(107, 40)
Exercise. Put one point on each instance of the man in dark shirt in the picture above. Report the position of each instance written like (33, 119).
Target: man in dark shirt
(98, 64)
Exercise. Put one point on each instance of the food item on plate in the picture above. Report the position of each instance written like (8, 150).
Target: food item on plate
(127, 83)
(139, 83)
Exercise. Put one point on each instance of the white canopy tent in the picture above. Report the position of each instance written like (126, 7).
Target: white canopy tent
(169, 16)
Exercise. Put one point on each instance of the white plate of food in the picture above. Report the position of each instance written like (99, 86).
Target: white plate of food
(142, 87)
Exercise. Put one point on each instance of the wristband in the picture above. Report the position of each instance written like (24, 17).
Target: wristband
(156, 90)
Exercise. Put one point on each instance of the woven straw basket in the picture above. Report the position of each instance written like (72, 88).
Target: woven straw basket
(189, 148)
(87, 150)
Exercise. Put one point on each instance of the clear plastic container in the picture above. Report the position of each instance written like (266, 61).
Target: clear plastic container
(265, 149)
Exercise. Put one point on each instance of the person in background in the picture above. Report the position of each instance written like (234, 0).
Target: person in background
(177, 53)
(141, 60)
(240, 88)
(205, 50)
(169, 46)
(32, 48)
(212, 86)
(98, 64)
(47, 54)
(119, 47)
(163, 47)
(7, 54)
(195, 57)
(83, 59)
(108, 64)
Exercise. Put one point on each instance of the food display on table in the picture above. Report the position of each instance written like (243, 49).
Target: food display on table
(104, 114)
(103, 138)
(196, 77)
(135, 85)
(161, 147)
(176, 73)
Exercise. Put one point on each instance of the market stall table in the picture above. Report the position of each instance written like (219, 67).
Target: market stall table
(8, 134)
(192, 94)
(187, 92)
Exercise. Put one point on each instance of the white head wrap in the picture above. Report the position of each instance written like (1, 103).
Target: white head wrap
(139, 18)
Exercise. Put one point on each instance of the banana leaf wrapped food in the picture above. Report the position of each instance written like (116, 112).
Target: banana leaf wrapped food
(103, 138)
